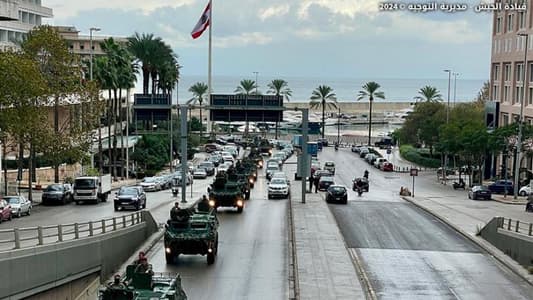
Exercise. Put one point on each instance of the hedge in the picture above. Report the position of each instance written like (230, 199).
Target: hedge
(413, 155)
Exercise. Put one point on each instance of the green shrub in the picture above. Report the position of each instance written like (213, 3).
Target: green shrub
(413, 155)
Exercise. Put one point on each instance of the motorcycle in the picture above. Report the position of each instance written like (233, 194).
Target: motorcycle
(336, 147)
(459, 185)
(359, 191)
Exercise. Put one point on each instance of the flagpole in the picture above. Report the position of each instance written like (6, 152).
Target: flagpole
(209, 81)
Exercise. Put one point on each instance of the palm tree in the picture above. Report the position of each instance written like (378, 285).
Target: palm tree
(199, 90)
(279, 87)
(246, 87)
(323, 96)
(429, 94)
(370, 91)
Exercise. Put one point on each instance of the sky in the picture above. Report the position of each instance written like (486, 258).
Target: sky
(300, 38)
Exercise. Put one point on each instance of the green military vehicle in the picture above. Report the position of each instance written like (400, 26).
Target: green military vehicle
(227, 193)
(145, 286)
(247, 172)
(192, 234)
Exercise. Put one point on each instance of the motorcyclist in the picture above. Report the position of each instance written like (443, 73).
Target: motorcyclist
(366, 174)
(359, 186)
(336, 146)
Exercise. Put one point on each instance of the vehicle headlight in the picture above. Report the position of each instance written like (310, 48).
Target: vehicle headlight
(134, 199)
(239, 203)
(167, 249)
(212, 203)
(251, 180)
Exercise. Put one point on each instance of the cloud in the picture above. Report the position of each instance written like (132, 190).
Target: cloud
(348, 8)
(243, 39)
(274, 11)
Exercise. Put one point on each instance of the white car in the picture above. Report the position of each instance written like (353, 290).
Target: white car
(199, 173)
(278, 187)
(378, 162)
(524, 191)
(330, 166)
(19, 205)
(228, 158)
(150, 184)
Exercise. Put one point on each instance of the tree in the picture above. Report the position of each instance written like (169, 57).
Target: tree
(483, 94)
(62, 71)
(323, 97)
(370, 91)
(279, 87)
(422, 126)
(429, 94)
(199, 90)
(141, 46)
(22, 94)
(246, 87)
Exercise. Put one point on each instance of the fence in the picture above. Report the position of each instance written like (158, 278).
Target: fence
(18, 238)
(516, 226)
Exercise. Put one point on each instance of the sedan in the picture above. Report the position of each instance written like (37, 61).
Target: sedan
(479, 191)
(19, 205)
(199, 173)
(5, 210)
(208, 167)
(501, 186)
(57, 193)
(151, 184)
(325, 182)
(337, 193)
(525, 190)
(387, 167)
(364, 182)
(130, 196)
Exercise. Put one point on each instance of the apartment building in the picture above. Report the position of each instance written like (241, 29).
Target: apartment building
(18, 17)
(81, 43)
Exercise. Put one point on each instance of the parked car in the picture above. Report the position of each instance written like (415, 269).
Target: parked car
(448, 172)
(320, 173)
(337, 193)
(19, 205)
(387, 167)
(188, 177)
(525, 190)
(501, 186)
(278, 187)
(57, 193)
(370, 158)
(364, 181)
(379, 161)
(325, 182)
(130, 196)
(356, 148)
(5, 211)
(151, 184)
(199, 173)
(479, 191)
(324, 142)
(363, 151)
(330, 166)
(209, 167)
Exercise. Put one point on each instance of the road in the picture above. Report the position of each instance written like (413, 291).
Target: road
(407, 253)
(252, 259)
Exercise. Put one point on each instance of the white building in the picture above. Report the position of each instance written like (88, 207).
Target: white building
(17, 17)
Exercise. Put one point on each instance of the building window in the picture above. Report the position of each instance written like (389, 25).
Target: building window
(519, 93)
(530, 96)
(510, 19)
(506, 90)
(521, 20)
(495, 93)
(519, 72)
(498, 25)
(82, 46)
(495, 72)
(505, 119)
(507, 71)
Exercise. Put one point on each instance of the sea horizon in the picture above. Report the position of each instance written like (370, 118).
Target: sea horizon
(346, 89)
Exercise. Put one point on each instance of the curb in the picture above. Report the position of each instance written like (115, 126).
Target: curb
(488, 248)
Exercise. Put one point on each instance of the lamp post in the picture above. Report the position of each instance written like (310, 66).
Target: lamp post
(454, 87)
(447, 121)
(256, 84)
(95, 29)
(520, 121)
(339, 126)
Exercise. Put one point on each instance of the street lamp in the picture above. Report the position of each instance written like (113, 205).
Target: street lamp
(339, 126)
(520, 121)
(454, 87)
(256, 84)
(91, 50)
(447, 120)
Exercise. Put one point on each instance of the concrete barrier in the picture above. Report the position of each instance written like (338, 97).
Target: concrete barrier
(517, 245)
(29, 271)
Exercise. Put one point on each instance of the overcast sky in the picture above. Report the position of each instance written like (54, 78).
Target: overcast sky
(305, 38)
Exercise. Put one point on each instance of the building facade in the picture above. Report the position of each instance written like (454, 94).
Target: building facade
(511, 72)
(18, 17)
(81, 44)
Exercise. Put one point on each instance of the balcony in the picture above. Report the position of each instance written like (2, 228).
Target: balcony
(8, 10)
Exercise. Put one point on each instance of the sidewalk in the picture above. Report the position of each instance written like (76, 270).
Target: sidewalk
(324, 266)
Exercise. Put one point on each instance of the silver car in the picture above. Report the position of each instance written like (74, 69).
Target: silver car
(19, 205)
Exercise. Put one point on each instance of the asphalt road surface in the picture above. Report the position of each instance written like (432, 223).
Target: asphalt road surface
(407, 253)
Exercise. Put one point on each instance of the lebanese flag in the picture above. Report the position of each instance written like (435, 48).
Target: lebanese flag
(202, 24)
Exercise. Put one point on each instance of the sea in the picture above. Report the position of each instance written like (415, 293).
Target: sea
(346, 89)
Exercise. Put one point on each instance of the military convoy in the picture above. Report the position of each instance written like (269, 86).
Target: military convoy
(141, 286)
(195, 234)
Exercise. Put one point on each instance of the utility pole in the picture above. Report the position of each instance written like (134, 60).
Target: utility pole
(183, 160)
(447, 121)
(520, 122)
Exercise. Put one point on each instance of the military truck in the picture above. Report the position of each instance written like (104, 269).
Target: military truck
(144, 286)
(226, 193)
(194, 234)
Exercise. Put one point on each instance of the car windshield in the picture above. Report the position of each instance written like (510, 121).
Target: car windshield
(272, 168)
(85, 183)
(481, 188)
(12, 200)
(127, 191)
(278, 181)
(329, 164)
(326, 178)
(54, 188)
(204, 165)
(150, 180)
(337, 189)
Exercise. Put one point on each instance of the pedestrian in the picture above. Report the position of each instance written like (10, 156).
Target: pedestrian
(316, 180)
(310, 183)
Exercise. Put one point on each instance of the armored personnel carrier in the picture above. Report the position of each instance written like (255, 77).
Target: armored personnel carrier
(192, 234)
(227, 193)
(144, 286)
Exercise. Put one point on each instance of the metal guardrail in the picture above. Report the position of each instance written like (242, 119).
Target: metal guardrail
(42, 235)
(516, 226)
